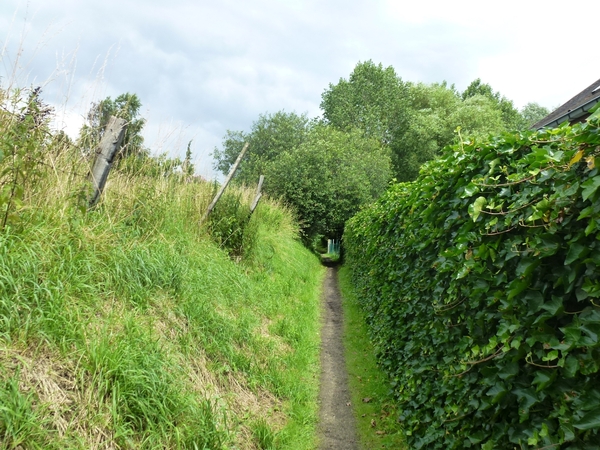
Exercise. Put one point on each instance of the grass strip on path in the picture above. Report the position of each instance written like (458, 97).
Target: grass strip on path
(375, 410)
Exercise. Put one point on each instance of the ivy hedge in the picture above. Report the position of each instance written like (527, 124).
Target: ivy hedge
(481, 286)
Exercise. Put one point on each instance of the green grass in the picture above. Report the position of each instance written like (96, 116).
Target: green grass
(333, 257)
(374, 409)
(20, 424)
(141, 320)
(130, 326)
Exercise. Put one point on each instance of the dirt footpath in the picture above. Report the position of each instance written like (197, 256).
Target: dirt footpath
(337, 426)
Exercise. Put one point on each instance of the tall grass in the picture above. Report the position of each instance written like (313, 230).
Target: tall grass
(130, 325)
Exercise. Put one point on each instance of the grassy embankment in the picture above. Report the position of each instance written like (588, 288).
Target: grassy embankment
(128, 327)
(374, 408)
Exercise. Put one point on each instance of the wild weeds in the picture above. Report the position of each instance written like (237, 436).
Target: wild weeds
(20, 424)
(169, 343)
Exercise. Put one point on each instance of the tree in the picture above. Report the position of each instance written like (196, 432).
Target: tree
(373, 99)
(478, 116)
(533, 113)
(435, 112)
(126, 106)
(271, 135)
(428, 129)
(329, 177)
(510, 115)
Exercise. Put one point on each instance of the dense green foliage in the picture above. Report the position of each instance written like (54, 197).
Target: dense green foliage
(481, 286)
(436, 111)
(271, 135)
(415, 120)
(412, 122)
(229, 224)
(324, 174)
(511, 118)
(533, 113)
(329, 177)
(373, 100)
(127, 327)
(23, 139)
(374, 407)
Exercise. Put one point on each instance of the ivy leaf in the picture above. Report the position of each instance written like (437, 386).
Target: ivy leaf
(554, 306)
(592, 331)
(527, 397)
(543, 378)
(591, 162)
(470, 190)
(571, 367)
(590, 316)
(475, 208)
(509, 371)
(497, 392)
(551, 356)
(576, 158)
(526, 266)
(566, 428)
(517, 286)
(576, 251)
(590, 420)
(586, 212)
(488, 446)
(590, 187)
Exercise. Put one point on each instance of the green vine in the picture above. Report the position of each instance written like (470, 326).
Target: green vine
(481, 286)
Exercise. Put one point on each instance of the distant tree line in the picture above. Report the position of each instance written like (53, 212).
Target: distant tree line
(375, 127)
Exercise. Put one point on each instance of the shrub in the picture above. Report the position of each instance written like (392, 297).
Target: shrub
(23, 139)
(229, 224)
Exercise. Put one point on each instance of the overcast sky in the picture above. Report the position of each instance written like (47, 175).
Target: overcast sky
(202, 67)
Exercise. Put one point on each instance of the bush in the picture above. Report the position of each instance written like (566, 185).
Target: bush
(23, 140)
(480, 283)
(230, 224)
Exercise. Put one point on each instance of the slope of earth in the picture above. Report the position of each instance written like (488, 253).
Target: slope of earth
(128, 327)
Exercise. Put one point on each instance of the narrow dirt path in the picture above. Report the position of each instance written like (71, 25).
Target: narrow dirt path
(337, 425)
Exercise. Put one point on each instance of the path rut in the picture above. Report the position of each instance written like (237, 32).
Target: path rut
(337, 424)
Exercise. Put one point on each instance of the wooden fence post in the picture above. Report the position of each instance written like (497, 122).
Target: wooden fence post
(227, 180)
(105, 154)
(258, 194)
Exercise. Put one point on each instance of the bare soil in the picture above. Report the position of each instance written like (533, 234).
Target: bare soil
(337, 424)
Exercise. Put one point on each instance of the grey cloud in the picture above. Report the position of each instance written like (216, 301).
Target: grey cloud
(209, 66)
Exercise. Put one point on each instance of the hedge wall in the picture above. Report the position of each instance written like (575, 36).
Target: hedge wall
(481, 287)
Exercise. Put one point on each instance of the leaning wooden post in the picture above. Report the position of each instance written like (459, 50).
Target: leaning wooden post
(227, 180)
(258, 194)
(105, 154)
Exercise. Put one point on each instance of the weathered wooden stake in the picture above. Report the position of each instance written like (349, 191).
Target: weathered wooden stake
(258, 194)
(227, 180)
(105, 154)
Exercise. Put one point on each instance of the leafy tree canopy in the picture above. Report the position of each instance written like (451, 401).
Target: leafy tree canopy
(126, 106)
(410, 122)
(373, 99)
(436, 111)
(533, 113)
(429, 128)
(329, 177)
(511, 117)
(270, 135)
